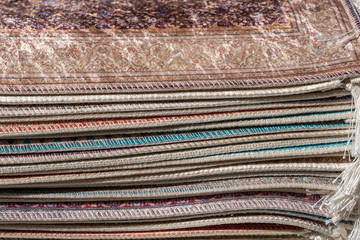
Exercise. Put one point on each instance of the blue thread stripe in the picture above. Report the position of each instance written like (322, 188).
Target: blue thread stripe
(158, 139)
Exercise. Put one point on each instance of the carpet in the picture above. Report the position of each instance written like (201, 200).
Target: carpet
(132, 46)
(218, 119)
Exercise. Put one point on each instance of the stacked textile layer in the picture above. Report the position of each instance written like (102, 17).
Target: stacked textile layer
(154, 174)
(179, 120)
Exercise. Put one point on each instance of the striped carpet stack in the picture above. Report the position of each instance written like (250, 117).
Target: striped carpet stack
(217, 119)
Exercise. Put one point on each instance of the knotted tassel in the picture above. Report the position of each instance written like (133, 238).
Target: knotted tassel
(346, 200)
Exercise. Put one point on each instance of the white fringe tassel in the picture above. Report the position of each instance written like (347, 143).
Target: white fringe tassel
(355, 234)
(345, 201)
(355, 90)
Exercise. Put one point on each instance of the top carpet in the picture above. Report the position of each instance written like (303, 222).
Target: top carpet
(94, 46)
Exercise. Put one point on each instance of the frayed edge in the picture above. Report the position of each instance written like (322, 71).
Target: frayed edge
(346, 200)
(337, 233)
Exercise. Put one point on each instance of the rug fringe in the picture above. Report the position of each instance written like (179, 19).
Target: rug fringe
(355, 181)
(340, 233)
(337, 233)
(347, 198)
(355, 234)
(345, 201)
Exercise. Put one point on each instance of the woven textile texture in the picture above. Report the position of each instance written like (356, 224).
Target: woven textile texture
(173, 45)
(180, 119)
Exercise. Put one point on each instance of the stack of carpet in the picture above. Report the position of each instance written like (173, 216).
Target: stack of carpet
(177, 119)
